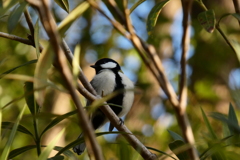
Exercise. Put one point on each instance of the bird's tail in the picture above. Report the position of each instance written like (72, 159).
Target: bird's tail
(79, 149)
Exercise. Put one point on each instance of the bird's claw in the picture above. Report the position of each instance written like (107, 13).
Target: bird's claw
(121, 121)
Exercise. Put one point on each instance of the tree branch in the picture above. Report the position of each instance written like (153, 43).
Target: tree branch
(31, 28)
(16, 38)
(181, 110)
(51, 29)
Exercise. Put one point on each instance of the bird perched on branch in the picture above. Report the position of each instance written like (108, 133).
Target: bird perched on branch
(108, 79)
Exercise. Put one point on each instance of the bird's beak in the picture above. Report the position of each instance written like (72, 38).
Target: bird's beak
(93, 66)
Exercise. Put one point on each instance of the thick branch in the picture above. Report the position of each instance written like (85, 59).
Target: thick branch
(51, 29)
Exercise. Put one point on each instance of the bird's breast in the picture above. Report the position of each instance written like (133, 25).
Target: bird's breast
(104, 82)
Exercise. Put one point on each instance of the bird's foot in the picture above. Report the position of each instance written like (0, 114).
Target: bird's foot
(121, 121)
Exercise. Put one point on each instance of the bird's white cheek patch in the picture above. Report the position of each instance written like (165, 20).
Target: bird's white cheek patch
(109, 65)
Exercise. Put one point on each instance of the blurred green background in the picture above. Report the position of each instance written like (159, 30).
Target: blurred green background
(213, 74)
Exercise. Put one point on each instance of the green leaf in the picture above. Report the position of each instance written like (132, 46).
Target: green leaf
(75, 64)
(164, 153)
(9, 5)
(236, 47)
(224, 119)
(20, 128)
(67, 153)
(136, 5)
(36, 37)
(58, 157)
(76, 13)
(44, 155)
(207, 20)
(19, 151)
(15, 16)
(81, 140)
(24, 64)
(63, 4)
(175, 136)
(41, 74)
(153, 15)
(210, 130)
(232, 118)
(14, 129)
(57, 120)
(178, 149)
(235, 15)
(29, 97)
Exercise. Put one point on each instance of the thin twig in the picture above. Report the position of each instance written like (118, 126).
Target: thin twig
(181, 110)
(29, 21)
(16, 38)
(31, 28)
(51, 29)
(68, 53)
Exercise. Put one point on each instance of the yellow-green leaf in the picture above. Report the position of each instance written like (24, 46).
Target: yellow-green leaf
(136, 5)
(76, 13)
(63, 4)
(41, 76)
(44, 155)
(7, 147)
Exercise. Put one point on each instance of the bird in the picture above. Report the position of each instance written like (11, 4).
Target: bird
(108, 79)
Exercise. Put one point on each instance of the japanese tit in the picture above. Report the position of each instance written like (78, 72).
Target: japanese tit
(108, 79)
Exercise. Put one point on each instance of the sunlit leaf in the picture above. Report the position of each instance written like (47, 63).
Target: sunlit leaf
(75, 63)
(63, 4)
(20, 128)
(73, 15)
(15, 15)
(36, 37)
(44, 155)
(24, 64)
(135, 5)
(14, 129)
(207, 20)
(177, 147)
(153, 15)
(57, 120)
(175, 136)
(236, 47)
(41, 76)
(232, 118)
(210, 130)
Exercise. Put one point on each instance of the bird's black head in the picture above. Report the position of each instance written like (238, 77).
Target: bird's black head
(106, 63)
